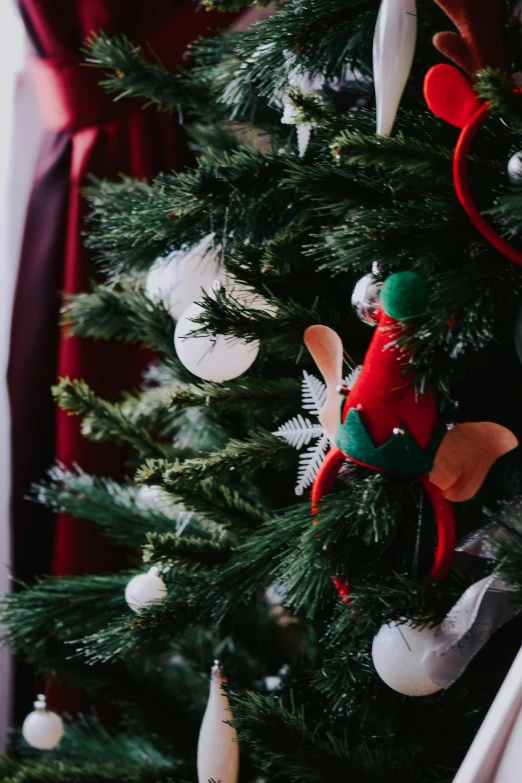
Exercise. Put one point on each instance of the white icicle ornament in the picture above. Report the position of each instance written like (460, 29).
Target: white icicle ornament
(42, 729)
(397, 653)
(393, 51)
(145, 589)
(218, 749)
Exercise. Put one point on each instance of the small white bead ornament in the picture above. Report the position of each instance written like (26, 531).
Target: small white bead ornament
(145, 589)
(42, 729)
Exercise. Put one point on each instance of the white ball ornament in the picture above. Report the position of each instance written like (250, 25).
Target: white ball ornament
(178, 279)
(145, 589)
(514, 168)
(397, 651)
(214, 358)
(42, 729)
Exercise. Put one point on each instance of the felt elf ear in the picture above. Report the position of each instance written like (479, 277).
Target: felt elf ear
(327, 351)
(465, 456)
(450, 95)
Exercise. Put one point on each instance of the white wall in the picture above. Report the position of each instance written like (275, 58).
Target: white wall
(20, 133)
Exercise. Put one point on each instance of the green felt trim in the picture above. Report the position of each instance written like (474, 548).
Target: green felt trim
(404, 296)
(400, 454)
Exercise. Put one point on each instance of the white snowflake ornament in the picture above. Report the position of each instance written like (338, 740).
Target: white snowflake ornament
(300, 431)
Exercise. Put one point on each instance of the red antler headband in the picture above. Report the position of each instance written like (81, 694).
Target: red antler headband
(450, 95)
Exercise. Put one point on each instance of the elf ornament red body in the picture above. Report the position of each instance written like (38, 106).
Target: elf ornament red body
(384, 423)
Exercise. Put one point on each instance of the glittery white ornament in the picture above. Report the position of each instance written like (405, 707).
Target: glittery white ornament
(42, 729)
(218, 749)
(514, 168)
(145, 589)
(393, 51)
(299, 431)
(178, 279)
(397, 652)
(214, 358)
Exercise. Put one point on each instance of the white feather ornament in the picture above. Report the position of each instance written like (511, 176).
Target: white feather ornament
(393, 51)
(218, 749)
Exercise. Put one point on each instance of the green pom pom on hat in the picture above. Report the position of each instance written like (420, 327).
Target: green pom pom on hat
(404, 296)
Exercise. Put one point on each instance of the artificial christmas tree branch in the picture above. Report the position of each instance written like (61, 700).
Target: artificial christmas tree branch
(110, 505)
(122, 313)
(102, 420)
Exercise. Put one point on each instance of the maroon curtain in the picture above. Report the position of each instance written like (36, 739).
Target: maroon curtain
(87, 132)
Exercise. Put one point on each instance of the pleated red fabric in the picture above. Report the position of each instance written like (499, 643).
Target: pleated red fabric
(88, 133)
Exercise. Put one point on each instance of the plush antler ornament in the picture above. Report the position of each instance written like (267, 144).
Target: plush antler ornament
(450, 95)
(385, 424)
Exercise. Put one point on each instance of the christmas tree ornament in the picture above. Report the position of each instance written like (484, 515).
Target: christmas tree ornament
(180, 279)
(307, 84)
(299, 431)
(218, 749)
(393, 51)
(514, 168)
(42, 728)
(481, 610)
(242, 293)
(450, 95)
(154, 497)
(210, 357)
(365, 298)
(145, 589)
(397, 652)
(387, 425)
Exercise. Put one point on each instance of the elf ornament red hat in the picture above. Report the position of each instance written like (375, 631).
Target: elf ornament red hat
(450, 95)
(384, 423)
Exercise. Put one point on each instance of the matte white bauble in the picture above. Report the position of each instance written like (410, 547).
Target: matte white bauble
(218, 749)
(397, 656)
(214, 358)
(42, 729)
(145, 589)
(242, 293)
(178, 279)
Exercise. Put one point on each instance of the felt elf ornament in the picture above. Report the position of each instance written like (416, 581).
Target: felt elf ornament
(384, 423)
(450, 94)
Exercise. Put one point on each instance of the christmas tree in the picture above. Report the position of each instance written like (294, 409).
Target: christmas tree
(325, 171)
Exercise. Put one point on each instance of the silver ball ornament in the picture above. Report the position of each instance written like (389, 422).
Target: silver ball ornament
(365, 298)
(514, 168)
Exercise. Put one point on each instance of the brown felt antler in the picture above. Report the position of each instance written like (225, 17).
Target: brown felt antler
(479, 40)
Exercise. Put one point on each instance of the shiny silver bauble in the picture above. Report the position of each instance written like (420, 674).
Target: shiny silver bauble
(365, 298)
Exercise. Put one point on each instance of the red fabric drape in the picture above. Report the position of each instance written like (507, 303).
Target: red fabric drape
(87, 133)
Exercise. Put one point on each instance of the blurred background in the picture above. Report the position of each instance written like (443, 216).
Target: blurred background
(20, 134)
